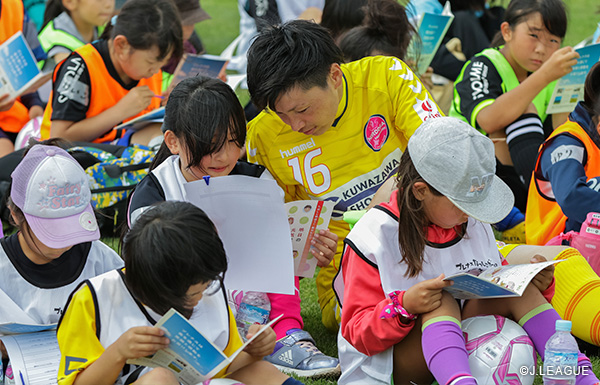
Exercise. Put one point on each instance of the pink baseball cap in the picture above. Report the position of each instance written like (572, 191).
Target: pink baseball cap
(52, 190)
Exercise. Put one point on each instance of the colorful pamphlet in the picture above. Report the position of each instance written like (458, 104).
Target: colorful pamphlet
(569, 89)
(306, 218)
(495, 282)
(19, 73)
(190, 355)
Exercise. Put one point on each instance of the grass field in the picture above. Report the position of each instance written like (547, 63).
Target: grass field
(219, 31)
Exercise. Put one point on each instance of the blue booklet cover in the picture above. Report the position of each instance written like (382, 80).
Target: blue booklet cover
(432, 30)
(19, 328)
(569, 89)
(18, 67)
(194, 65)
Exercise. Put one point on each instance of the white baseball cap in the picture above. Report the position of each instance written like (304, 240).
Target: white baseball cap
(459, 162)
(52, 190)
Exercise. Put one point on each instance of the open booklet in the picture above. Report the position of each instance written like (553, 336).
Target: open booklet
(190, 356)
(432, 29)
(19, 73)
(495, 282)
(306, 218)
(568, 90)
(155, 116)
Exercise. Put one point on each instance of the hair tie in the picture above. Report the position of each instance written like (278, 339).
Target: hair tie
(113, 20)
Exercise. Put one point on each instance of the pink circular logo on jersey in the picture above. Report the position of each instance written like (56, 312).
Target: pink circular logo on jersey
(376, 132)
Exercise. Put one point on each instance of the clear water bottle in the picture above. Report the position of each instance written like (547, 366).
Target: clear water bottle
(255, 308)
(560, 357)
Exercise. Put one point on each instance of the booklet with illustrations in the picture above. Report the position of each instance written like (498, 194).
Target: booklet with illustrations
(432, 29)
(495, 282)
(568, 90)
(306, 218)
(19, 73)
(190, 356)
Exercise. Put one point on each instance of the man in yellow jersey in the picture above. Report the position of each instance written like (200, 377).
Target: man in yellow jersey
(329, 131)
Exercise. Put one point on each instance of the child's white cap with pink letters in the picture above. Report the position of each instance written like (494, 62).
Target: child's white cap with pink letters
(52, 190)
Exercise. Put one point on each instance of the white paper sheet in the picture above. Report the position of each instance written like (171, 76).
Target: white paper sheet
(34, 357)
(252, 222)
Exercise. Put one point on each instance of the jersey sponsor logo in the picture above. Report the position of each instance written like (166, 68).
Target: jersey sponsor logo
(565, 152)
(478, 78)
(357, 193)
(297, 149)
(426, 108)
(376, 132)
(70, 88)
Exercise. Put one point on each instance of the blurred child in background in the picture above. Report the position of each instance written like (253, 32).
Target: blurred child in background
(116, 78)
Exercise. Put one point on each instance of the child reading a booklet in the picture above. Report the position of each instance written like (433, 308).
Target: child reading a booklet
(57, 243)
(173, 259)
(505, 90)
(204, 131)
(115, 78)
(396, 318)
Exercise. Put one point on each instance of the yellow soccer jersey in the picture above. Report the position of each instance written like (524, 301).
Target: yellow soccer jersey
(79, 343)
(383, 103)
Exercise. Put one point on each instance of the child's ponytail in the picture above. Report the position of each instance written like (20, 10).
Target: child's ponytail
(385, 30)
(412, 221)
(147, 24)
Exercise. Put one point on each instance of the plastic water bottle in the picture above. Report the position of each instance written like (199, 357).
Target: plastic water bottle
(255, 308)
(560, 357)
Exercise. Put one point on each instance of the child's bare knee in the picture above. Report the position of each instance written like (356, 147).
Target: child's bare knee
(161, 376)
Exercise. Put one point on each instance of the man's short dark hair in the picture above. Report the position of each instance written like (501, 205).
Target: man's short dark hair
(296, 53)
